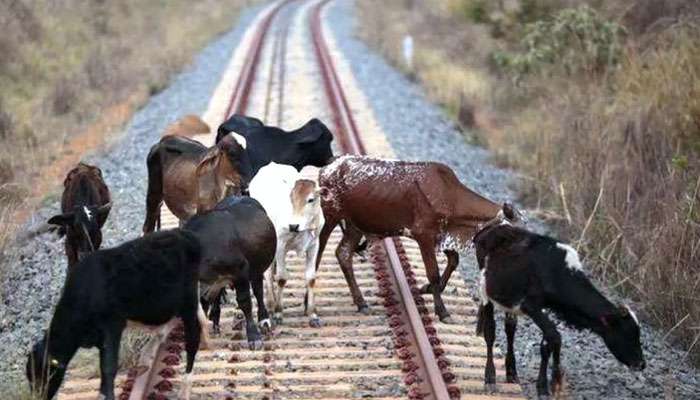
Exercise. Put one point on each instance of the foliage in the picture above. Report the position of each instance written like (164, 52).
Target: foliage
(575, 40)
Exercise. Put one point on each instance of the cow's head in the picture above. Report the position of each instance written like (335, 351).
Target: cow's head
(44, 371)
(314, 139)
(82, 224)
(231, 165)
(237, 123)
(620, 332)
(306, 206)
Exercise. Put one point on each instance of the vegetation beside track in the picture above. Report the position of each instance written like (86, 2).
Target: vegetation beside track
(598, 103)
(72, 71)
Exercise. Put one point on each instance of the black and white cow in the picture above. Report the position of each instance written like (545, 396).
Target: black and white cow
(525, 273)
(308, 145)
(148, 281)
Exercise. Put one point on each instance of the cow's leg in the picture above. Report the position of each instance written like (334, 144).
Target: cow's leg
(71, 253)
(203, 340)
(191, 319)
(310, 278)
(215, 313)
(326, 231)
(263, 316)
(452, 263)
(109, 358)
(280, 279)
(242, 285)
(427, 249)
(489, 325)
(511, 324)
(551, 344)
(344, 252)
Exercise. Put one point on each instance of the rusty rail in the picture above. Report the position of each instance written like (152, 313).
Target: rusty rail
(352, 143)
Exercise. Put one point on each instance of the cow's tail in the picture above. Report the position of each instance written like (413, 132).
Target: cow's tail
(154, 196)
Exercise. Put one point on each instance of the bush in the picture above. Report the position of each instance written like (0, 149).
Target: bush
(575, 40)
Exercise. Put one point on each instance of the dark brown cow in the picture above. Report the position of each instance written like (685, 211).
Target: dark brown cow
(85, 205)
(192, 178)
(421, 200)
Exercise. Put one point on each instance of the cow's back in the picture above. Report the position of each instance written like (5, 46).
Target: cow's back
(135, 273)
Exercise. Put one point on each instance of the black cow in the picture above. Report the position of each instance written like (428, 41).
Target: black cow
(150, 281)
(239, 243)
(85, 205)
(241, 124)
(308, 145)
(524, 273)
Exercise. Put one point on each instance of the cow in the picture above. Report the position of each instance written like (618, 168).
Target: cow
(421, 200)
(189, 125)
(192, 178)
(292, 201)
(239, 242)
(308, 145)
(525, 273)
(239, 124)
(150, 281)
(85, 205)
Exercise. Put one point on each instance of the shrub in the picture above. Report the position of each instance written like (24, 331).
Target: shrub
(575, 40)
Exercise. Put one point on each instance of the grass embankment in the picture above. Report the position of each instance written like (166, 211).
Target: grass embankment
(599, 106)
(72, 71)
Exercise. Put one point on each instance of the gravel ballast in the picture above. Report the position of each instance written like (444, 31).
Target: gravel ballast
(419, 130)
(416, 129)
(35, 269)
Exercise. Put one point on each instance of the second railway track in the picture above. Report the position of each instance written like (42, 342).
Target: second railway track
(398, 350)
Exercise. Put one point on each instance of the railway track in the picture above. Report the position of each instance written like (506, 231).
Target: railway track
(398, 350)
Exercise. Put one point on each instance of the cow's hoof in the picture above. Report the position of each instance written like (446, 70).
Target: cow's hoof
(265, 326)
(255, 344)
(490, 387)
(363, 309)
(216, 330)
(315, 322)
(447, 319)
(512, 378)
(425, 289)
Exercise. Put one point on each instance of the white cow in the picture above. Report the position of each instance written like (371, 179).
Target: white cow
(292, 201)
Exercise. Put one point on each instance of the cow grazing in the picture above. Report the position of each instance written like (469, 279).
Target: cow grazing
(191, 178)
(293, 203)
(85, 205)
(189, 125)
(239, 243)
(149, 281)
(524, 273)
(308, 145)
(421, 200)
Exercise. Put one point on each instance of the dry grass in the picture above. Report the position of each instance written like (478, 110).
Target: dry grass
(64, 63)
(613, 155)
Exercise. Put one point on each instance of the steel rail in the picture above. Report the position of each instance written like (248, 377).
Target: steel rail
(346, 127)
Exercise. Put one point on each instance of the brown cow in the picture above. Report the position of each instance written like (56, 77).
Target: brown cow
(421, 200)
(192, 178)
(189, 125)
(85, 205)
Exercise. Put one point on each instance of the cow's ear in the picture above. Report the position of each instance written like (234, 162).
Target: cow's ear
(312, 131)
(103, 211)
(62, 219)
(324, 192)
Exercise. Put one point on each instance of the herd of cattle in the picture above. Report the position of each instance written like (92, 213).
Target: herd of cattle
(260, 192)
